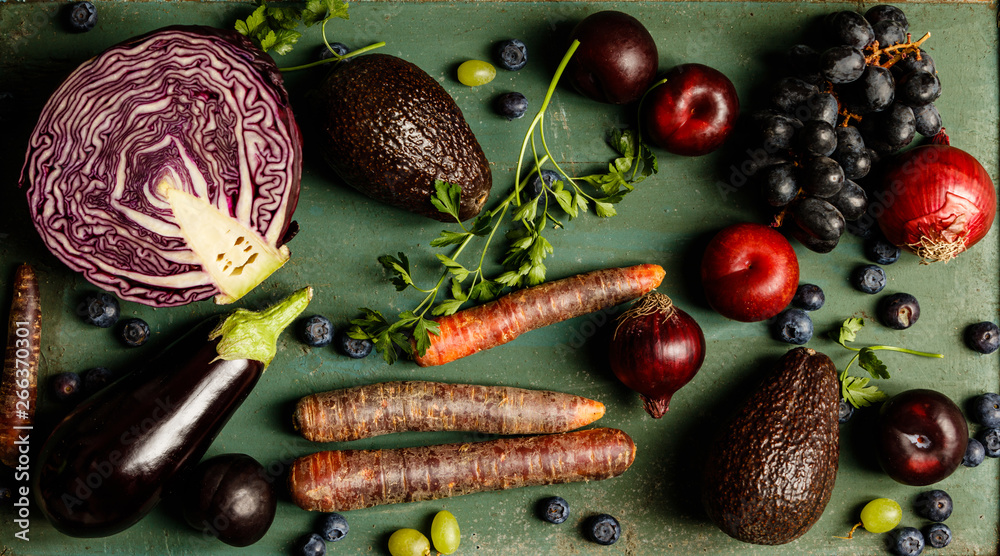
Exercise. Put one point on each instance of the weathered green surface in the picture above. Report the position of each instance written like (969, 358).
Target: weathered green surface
(665, 221)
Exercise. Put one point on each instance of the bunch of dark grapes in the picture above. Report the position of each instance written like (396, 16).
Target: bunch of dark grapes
(862, 95)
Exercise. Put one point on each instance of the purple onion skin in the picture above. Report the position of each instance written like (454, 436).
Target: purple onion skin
(177, 102)
(656, 351)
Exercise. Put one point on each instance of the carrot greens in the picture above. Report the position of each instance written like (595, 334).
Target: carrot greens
(461, 283)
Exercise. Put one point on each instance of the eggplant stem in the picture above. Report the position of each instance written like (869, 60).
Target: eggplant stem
(253, 335)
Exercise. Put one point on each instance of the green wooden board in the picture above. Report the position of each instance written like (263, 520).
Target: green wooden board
(665, 221)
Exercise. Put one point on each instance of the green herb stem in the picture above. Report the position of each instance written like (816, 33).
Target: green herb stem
(540, 117)
(338, 58)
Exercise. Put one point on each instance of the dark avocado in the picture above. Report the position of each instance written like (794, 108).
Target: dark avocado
(771, 471)
(390, 130)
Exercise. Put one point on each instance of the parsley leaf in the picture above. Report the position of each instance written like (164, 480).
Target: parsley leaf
(856, 390)
(272, 28)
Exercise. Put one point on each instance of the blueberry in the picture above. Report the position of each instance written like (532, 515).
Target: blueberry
(603, 529)
(324, 53)
(96, 378)
(809, 297)
(908, 541)
(880, 251)
(990, 439)
(317, 331)
(986, 410)
(535, 187)
(511, 105)
(983, 337)
(938, 535)
(934, 505)
(310, 545)
(898, 311)
(846, 411)
(82, 16)
(975, 453)
(66, 386)
(100, 309)
(868, 278)
(554, 509)
(134, 332)
(793, 326)
(357, 349)
(511, 54)
(334, 527)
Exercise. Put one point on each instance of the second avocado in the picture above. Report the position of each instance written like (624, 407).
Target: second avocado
(771, 471)
(390, 130)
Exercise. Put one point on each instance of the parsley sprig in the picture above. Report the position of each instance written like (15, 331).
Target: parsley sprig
(524, 260)
(857, 390)
(275, 28)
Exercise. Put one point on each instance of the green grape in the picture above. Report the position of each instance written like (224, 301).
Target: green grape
(409, 542)
(445, 532)
(881, 515)
(476, 72)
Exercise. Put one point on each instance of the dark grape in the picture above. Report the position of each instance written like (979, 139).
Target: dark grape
(913, 62)
(927, 119)
(811, 242)
(818, 218)
(849, 138)
(900, 126)
(816, 138)
(889, 131)
(818, 107)
(918, 88)
(889, 33)
(804, 62)
(790, 92)
(874, 91)
(850, 28)
(821, 176)
(851, 153)
(851, 200)
(855, 163)
(885, 12)
(779, 185)
(842, 64)
(758, 160)
(776, 130)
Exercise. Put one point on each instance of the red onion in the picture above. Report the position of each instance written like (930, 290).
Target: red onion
(936, 201)
(655, 350)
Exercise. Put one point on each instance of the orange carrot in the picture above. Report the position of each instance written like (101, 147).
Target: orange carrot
(344, 480)
(18, 383)
(501, 320)
(388, 407)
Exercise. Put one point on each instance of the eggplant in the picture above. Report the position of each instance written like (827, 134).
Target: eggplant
(110, 461)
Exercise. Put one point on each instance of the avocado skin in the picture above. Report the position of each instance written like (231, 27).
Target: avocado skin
(389, 130)
(771, 472)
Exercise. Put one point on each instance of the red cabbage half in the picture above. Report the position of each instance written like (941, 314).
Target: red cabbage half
(167, 168)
